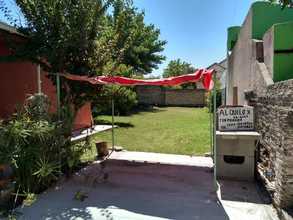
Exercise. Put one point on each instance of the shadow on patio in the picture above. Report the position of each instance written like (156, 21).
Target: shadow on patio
(133, 192)
(144, 191)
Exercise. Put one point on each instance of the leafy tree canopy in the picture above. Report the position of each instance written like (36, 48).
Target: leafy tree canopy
(62, 33)
(177, 68)
(137, 44)
(88, 37)
(284, 3)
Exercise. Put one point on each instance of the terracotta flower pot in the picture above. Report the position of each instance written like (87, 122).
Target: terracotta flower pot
(6, 174)
(102, 148)
(6, 195)
(5, 171)
(3, 183)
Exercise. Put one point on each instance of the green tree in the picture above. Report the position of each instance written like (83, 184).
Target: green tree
(284, 3)
(62, 33)
(177, 68)
(61, 37)
(137, 45)
(87, 37)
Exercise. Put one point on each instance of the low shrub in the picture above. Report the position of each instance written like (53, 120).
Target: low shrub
(210, 100)
(125, 101)
(37, 145)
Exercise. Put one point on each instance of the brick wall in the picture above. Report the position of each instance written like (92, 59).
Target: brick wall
(155, 95)
(150, 95)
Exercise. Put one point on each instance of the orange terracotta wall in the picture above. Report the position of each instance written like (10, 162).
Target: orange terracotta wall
(49, 89)
(16, 81)
(19, 79)
(82, 118)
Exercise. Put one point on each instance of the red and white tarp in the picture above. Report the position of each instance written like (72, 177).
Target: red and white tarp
(203, 75)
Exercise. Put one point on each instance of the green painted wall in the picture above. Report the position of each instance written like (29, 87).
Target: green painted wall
(283, 67)
(265, 15)
(233, 33)
(283, 57)
(283, 36)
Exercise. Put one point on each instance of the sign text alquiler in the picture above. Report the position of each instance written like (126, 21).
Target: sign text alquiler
(236, 118)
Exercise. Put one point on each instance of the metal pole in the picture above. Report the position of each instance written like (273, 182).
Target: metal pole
(113, 110)
(39, 79)
(59, 114)
(58, 96)
(211, 126)
(214, 134)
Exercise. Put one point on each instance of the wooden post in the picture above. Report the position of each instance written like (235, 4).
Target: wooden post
(39, 79)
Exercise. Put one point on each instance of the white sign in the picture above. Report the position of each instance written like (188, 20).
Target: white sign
(236, 118)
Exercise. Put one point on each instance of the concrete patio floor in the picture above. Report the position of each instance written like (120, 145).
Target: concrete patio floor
(84, 133)
(138, 190)
(159, 158)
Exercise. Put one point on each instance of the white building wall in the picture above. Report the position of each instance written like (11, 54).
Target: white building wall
(240, 64)
(268, 45)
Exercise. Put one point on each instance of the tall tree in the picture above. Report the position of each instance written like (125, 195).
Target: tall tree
(86, 37)
(137, 44)
(62, 33)
(61, 37)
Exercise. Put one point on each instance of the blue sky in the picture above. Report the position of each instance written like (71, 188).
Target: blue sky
(196, 30)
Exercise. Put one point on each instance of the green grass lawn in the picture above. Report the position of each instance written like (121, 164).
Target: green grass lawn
(173, 130)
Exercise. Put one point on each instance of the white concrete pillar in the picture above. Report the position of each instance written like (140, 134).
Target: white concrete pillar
(229, 82)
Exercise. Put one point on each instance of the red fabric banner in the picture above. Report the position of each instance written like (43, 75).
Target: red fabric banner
(203, 75)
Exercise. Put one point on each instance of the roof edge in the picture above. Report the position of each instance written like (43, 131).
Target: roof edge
(10, 29)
